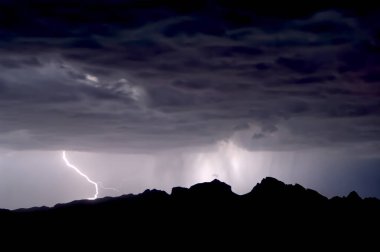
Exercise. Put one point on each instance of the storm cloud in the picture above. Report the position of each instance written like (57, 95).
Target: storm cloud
(145, 76)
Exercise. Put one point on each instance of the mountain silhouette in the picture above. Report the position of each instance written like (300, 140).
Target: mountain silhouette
(271, 209)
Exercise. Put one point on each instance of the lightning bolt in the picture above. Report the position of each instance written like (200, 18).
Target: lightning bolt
(107, 188)
(64, 157)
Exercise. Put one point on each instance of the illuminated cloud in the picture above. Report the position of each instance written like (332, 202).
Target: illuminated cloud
(187, 79)
(92, 78)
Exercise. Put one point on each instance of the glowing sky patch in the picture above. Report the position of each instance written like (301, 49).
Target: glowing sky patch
(92, 78)
(108, 188)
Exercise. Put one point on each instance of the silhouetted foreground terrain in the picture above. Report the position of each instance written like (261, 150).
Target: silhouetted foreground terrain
(210, 210)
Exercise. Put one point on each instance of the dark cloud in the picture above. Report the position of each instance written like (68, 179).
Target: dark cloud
(372, 77)
(195, 84)
(85, 44)
(258, 136)
(311, 80)
(148, 75)
(230, 51)
(194, 27)
(302, 66)
(19, 62)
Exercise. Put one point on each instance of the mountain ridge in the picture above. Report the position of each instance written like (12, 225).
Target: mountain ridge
(268, 187)
(207, 212)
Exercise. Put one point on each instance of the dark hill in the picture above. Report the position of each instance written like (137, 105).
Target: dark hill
(211, 209)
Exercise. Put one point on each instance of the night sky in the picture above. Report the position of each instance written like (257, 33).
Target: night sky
(156, 94)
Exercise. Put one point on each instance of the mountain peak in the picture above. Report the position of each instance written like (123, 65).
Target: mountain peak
(212, 186)
(273, 190)
(268, 184)
(271, 181)
(354, 196)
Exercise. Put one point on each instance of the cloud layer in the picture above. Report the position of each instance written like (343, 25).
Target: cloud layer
(142, 76)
